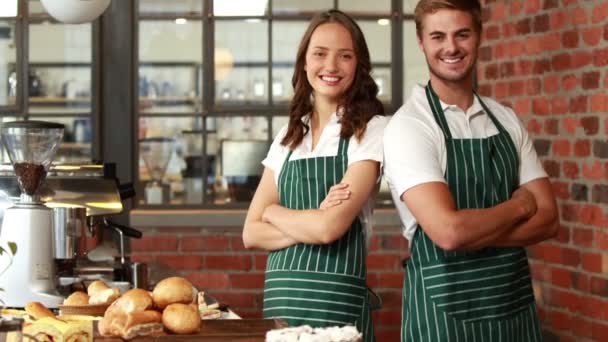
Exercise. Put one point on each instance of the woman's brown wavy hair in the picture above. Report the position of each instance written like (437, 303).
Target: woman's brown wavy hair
(358, 104)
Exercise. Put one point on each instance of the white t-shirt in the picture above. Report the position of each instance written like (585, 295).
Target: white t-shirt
(369, 148)
(415, 152)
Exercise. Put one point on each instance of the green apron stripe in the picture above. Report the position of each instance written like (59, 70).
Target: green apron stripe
(312, 277)
(313, 308)
(471, 149)
(478, 270)
(305, 319)
(313, 301)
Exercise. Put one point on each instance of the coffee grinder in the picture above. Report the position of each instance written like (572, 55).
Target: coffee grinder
(31, 146)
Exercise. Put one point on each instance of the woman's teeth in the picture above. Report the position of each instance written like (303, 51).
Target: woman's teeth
(330, 79)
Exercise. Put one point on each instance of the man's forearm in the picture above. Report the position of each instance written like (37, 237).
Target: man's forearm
(478, 227)
(542, 226)
(451, 228)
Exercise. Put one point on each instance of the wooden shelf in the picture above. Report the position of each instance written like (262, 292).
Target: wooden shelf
(57, 100)
(74, 145)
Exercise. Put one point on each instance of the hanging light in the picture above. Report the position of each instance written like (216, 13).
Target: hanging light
(75, 11)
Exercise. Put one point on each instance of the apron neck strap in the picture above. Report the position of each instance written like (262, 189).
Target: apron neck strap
(343, 146)
(433, 100)
(439, 115)
(497, 123)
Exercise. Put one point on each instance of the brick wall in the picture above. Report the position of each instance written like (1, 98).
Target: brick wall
(548, 59)
(215, 259)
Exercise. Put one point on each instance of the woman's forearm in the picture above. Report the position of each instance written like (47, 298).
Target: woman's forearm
(307, 226)
(265, 236)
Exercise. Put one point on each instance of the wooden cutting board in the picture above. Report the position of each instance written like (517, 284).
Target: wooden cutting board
(218, 330)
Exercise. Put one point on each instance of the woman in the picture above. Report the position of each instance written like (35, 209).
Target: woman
(312, 208)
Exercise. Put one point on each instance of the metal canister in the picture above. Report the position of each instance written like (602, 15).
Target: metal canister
(69, 231)
(139, 275)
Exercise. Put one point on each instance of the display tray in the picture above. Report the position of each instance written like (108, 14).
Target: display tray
(217, 330)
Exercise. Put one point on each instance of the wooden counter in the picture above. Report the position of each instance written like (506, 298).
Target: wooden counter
(220, 330)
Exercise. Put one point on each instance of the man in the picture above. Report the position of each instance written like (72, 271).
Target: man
(470, 191)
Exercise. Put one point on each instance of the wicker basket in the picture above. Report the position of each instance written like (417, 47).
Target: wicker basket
(89, 310)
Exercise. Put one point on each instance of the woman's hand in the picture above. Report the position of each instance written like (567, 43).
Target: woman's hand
(335, 196)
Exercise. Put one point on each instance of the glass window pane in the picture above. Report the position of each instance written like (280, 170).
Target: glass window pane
(35, 7)
(241, 62)
(4, 158)
(382, 76)
(365, 6)
(8, 8)
(243, 85)
(286, 37)
(409, 6)
(192, 174)
(8, 58)
(244, 40)
(278, 122)
(171, 7)
(378, 39)
(76, 145)
(415, 69)
(377, 35)
(170, 57)
(170, 186)
(242, 144)
(234, 8)
(300, 7)
(60, 68)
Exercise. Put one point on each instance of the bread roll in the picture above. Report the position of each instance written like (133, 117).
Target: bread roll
(96, 286)
(181, 318)
(173, 290)
(132, 301)
(37, 311)
(77, 298)
(128, 326)
(106, 296)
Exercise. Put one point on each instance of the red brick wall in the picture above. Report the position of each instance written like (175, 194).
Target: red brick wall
(548, 59)
(214, 259)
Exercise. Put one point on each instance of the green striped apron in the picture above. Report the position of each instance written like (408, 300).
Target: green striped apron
(484, 295)
(318, 285)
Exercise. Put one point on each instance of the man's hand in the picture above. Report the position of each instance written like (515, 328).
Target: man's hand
(526, 200)
(335, 196)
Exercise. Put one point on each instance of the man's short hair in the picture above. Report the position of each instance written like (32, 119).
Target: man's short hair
(425, 7)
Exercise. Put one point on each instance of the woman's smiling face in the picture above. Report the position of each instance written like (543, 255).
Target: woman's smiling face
(331, 62)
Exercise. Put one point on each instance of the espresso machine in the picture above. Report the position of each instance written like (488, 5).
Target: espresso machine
(61, 215)
(31, 146)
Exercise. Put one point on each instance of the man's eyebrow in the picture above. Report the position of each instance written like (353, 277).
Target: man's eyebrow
(462, 30)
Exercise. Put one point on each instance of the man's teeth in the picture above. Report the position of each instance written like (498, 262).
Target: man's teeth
(452, 60)
(330, 79)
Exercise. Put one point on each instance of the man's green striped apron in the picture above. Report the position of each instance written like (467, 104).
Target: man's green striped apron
(318, 285)
(483, 295)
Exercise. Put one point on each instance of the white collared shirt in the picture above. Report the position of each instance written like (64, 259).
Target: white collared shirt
(415, 151)
(369, 148)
